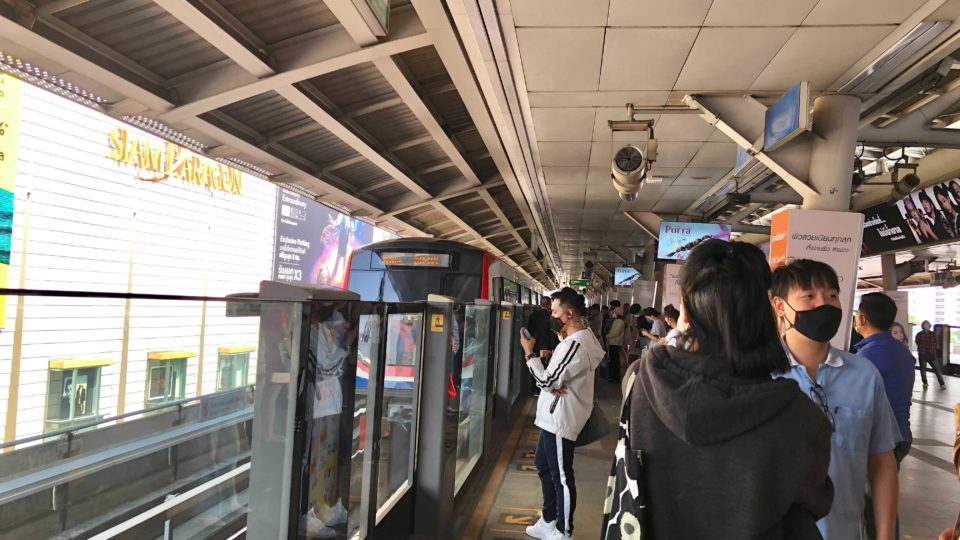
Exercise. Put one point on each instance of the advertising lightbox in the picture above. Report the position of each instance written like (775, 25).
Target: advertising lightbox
(624, 276)
(677, 239)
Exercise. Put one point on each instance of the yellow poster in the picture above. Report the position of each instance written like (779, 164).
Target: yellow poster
(10, 92)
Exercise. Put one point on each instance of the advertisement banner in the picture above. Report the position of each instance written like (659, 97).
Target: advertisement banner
(928, 216)
(313, 242)
(11, 90)
(624, 276)
(671, 285)
(830, 237)
(677, 239)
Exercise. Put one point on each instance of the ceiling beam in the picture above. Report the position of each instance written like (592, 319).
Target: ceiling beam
(335, 51)
(436, 21)
(98, 48)
(403, 207)
(452, 216)
(350, 18)
(196, 20)
(232, 48)
(339, 130)
(56, 7)
(405, 89)
(497, 211)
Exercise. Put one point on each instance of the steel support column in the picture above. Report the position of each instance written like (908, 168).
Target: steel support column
(835, 120)
(888, 262)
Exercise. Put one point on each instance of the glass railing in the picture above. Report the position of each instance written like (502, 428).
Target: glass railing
(111, 404)
(144, 416)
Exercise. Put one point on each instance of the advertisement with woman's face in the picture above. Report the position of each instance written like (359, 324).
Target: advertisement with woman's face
(927, 216)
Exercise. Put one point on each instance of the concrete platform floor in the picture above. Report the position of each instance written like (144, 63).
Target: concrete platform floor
(929, 488)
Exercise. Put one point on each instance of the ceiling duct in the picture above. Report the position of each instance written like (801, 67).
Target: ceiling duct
(882, 70)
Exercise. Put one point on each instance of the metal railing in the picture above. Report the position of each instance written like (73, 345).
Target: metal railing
(70, 431)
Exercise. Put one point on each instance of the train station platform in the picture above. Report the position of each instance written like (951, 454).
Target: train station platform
(929, 489)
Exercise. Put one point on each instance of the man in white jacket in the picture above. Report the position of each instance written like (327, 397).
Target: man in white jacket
(565, 403)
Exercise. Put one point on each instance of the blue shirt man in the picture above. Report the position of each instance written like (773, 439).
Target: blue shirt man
(876, 315)
(848, 389)
(864, 425)
(895, 364)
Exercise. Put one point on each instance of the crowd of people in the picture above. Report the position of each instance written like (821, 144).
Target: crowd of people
(749, 422)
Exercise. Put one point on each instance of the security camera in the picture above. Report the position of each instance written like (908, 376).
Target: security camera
(903, 186)
(630, 167)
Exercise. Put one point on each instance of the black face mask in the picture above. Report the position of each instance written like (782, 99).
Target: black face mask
(819, 324)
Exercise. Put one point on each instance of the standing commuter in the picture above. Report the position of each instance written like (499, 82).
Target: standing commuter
(671, 316)
(728, 451)
(538, 324)
(849, 391)
(595, 319)
(565, 403)
(658, 328)
(927, 353)
(615, 344)
(892, 358)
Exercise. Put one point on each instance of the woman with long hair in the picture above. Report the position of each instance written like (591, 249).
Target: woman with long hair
(933, 216)
(728, 451)
(922, 229)
(950, 214)
(898, 333)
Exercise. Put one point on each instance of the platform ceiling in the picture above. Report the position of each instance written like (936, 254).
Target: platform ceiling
(482, 121)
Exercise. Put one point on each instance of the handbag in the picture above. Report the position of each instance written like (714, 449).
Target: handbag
(623, 509)
(595, 429)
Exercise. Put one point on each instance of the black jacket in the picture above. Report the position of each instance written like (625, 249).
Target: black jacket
(539, 326)
(727, 457)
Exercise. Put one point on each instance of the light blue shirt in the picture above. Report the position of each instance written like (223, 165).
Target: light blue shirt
(864, 424)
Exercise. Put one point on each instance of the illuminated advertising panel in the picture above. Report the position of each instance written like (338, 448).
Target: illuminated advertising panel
(624, 276)
(678, 239)
(314, 242)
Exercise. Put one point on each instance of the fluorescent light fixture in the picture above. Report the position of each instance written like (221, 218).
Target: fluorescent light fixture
(876, 75)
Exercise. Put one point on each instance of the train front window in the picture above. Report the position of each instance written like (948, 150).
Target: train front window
(366, 284)
(463, 287)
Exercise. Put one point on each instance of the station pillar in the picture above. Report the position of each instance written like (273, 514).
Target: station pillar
(825, 229)
(836, 120)
(888, 263)
(648, 268)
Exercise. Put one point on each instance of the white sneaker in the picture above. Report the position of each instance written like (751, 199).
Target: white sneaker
(315, 527)
(335, 515)
(544, 530)
(557, 535)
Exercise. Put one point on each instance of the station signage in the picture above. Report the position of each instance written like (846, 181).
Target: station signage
(579, 282)
(787, 118)
(156, 161)
(928, 216)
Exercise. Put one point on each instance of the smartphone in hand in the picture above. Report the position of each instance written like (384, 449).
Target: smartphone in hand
(526, 333)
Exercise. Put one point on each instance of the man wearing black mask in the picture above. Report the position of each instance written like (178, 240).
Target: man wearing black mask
(850, 392)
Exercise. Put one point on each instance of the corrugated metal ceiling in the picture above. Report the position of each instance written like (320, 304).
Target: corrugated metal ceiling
(145, 33)
(266, 112)
(150, 43)
(392, 125)
(276, 20)
(354, 86)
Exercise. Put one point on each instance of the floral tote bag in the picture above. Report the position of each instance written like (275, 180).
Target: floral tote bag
(624, 505)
